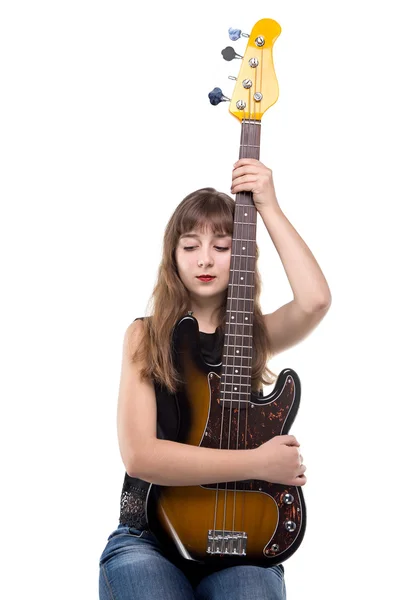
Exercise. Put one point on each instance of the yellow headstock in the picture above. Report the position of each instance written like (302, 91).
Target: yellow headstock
(261, 74)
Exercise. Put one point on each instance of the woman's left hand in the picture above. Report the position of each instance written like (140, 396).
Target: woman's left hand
(250, 175)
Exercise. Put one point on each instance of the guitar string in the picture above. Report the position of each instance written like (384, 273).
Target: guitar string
(246, 150)
(223, 387)
(256, 151)
(245, 235)
(254, 139)
(228, 328)
(235, 328)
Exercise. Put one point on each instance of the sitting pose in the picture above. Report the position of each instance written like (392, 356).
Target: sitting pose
(134, 565)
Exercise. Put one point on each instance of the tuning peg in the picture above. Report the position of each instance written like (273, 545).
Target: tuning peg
(216, 96)
(229, 53)
(235, 34)
(232, 77)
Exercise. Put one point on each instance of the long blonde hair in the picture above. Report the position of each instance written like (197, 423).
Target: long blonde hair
(170, 300)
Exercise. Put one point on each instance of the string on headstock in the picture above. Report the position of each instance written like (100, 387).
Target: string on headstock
(256, 87)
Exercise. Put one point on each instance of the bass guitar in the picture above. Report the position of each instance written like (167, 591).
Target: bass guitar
(240, 522)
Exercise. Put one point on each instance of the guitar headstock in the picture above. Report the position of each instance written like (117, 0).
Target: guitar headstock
(256, 88)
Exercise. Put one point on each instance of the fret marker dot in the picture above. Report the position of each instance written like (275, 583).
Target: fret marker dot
(245, 214)
(237, 351)
(244, 248)
(232, 317)
(246, 318)
(236, 371)
(241, 278)
(235, 389)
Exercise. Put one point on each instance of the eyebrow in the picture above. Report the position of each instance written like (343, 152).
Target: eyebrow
(195, 235)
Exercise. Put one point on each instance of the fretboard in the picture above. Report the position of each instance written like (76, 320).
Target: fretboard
(237, 353)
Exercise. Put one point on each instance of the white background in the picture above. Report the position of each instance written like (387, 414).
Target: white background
(105, 127)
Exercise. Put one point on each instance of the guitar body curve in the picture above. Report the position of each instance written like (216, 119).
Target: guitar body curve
(244, 522)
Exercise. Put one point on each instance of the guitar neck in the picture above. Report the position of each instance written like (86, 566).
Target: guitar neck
(249, 148)
(240, 299)
(250, 139)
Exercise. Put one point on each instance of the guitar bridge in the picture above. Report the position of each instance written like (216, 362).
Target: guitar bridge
(225, 542)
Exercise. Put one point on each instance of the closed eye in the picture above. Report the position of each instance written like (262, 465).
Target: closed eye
(221, 248)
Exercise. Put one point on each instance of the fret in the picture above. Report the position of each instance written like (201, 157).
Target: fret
(235, 397)
(241, 271)
(238, 367)
(242, 285)
(230, 322)
(236, 384)
(240, 345)
(239, 241)
(234, 394)
(234, 298)
(244, 222)
(244, 255)
(248, 206)
(242, 375)
(251, 122)
(240, 335)
(239, 356)
(236, 379)
(249, 146)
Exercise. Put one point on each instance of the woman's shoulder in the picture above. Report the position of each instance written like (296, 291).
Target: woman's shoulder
(136, 328)
(140, 319)
(134, 333)
(137, 323)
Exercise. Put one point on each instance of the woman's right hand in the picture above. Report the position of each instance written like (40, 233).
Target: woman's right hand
(279, 461)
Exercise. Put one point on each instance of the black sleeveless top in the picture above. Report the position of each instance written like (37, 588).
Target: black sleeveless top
(134, 490)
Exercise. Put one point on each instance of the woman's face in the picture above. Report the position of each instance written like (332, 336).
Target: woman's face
(213, 252)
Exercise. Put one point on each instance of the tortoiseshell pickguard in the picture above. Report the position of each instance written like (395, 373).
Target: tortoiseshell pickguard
(257, 422)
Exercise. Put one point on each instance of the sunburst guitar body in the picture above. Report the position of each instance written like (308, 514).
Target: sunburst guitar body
(243, 522)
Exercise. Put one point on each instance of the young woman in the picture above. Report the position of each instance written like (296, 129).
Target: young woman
(197, 241)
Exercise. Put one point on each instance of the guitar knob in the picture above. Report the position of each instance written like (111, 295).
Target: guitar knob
(290, 525)
(235, 34)
(229, 53)
(288, 499)
(216, 96)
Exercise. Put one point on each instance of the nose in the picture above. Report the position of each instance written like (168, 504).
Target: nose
(206, 256)
(206, 259)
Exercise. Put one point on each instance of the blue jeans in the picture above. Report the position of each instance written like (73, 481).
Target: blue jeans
(133, 566)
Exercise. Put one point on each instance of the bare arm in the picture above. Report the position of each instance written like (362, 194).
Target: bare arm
(171, 463)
